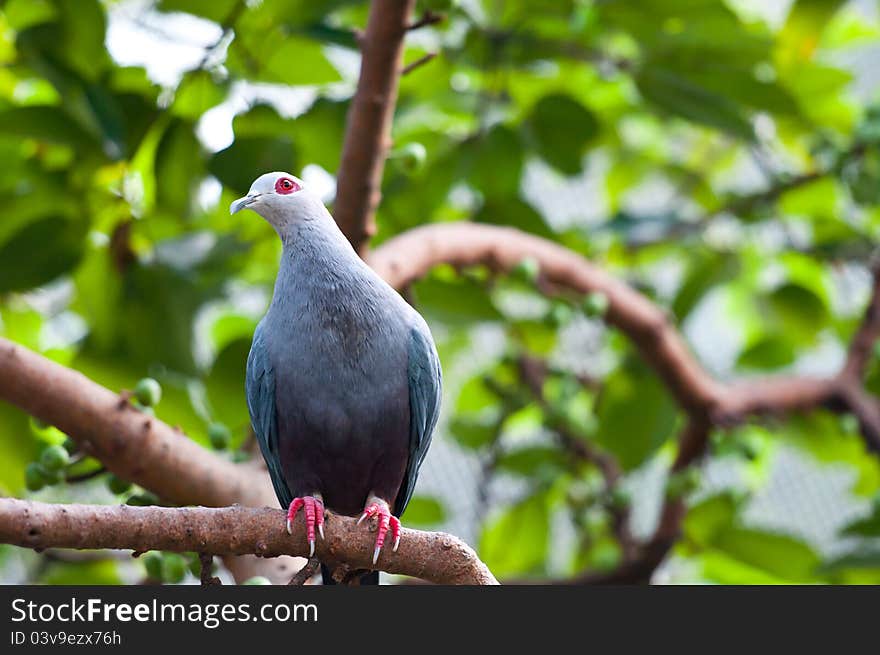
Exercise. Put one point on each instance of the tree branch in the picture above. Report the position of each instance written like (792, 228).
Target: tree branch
(368, 134)
(134, 446)
(708, 403)
(433, 556)
(409, 256)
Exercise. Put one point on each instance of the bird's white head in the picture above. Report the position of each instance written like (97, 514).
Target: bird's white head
(279, 198)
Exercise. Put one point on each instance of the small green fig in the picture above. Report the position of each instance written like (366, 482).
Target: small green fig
(34, 477)
(219, 436)
(117, 485)
(54, 458)
(174, 567)
(411, 157)
(148, 392)
(595, 304)
(153, 564)
(526, 270)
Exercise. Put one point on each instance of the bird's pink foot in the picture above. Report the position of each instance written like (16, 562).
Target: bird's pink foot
(379, 508)
(314, 510)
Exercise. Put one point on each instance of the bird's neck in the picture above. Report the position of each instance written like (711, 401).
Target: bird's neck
(318, 262)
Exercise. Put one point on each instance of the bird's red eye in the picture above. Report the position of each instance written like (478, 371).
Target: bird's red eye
(285, 185)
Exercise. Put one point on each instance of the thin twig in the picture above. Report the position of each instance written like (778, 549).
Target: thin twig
(424, 59)
(305, 573)
(207, 564)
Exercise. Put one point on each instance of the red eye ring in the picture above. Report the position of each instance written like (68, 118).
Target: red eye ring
(284, 186)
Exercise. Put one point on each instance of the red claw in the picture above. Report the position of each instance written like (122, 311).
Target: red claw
(314, 510)
(386, 520)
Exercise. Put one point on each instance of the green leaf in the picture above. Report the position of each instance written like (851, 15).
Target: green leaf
(235, 165)
(179, 168)
(22, 14)
(705, 272)
(424, 512)
(283, 59)
(318, 133)
(495, 162)
(515, 543)
(776, 554)
(681, 97)
(513, 212)
(50, 124)
(834, 442)
(536, 336)
(539, 462)
(864, 556)
(868, 526)
(215, 10)
(806, 21)
(562, 128)
(100, 572)
(474, 432)
(709, 517)
(17, 448)
(634, 435)
(224, 386)
(76, 37)
(197, 92)
(455, 300)
(768, 353)
(60, 244)
(798, 311)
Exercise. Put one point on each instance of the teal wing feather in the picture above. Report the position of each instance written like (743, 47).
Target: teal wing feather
(260, 388)
(425, 384)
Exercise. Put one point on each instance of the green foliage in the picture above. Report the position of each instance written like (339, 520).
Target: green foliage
(636, 414)
(116, 259)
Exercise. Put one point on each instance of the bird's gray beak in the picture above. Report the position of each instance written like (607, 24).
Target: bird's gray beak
(241, 203)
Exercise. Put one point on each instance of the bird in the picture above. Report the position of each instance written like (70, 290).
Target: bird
(343, 380)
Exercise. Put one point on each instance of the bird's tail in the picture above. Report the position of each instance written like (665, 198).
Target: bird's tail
(370, 578)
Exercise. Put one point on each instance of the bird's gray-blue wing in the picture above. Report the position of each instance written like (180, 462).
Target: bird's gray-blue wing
(260, 387)
(425, 380)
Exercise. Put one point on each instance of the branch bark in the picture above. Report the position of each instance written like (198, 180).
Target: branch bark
(368, 132)
(409, 256)
(708, 403)
(433, 556)
(135, 446)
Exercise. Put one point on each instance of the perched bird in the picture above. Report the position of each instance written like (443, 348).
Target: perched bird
(343, 379)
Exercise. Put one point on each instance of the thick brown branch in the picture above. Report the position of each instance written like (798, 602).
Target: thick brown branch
(708, 403)
(368, 134)
(133, 445)
(129, 443)
(432, 556)
(411, 255)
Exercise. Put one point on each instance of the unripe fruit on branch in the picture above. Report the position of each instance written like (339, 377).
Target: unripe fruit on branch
(34, 477)
(148, 392)
(219, 436)
(54, 458)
